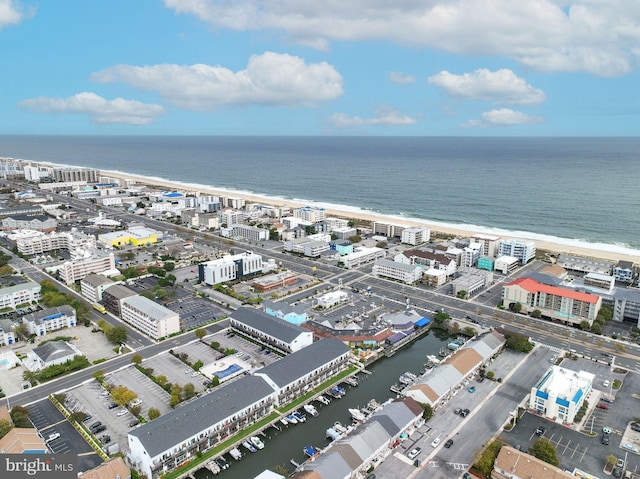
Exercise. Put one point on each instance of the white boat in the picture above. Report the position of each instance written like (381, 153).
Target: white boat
(284, 422)
(291, 418)
(311, 409)
(404, 379)
(324, 400)
(351, 381)
(356, 414)
(299, 416)
(373, 405)
(249, 446)
(339, 427)
(235, 453)
(255, 440)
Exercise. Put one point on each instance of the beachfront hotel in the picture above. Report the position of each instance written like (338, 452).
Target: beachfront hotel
(525, 251)
(554, 302)
(229, 268)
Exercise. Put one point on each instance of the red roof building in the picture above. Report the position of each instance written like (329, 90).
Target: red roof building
(562, 304)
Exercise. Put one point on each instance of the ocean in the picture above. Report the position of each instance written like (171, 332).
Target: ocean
(573, 191)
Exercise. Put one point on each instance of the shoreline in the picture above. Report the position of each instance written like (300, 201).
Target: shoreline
(332, 210)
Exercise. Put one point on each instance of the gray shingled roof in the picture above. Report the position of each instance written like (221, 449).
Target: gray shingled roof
(189, 420)
(96, 280)
(290, 368)
(40, 315)
(408, 268)
(53, 350)
(119, 291)
(283, 307)
(269, 325)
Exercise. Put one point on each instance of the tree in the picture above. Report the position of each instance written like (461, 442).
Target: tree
(596, 328)
(122, 395)
(440, 317)
(169, 266)
(5, 427)
(355, 239)
(197, 365)
(462, 294)
(536, 313)
(116, 334)
(189, 390)
(153, 413)
(200, 333)
(517, 342)
(21, 330)
(427, 411)
(135, 410)
(545, 451)
(20, 416)
(136, 359)
(99, 375)
(584, 325)
(161, 380)
(175, 400)
(78, 416)
(516, 307)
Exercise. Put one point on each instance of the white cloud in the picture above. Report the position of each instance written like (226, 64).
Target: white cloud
(100, 110)
(385, 116)
(269, 79)
(503, 117)
(502, 87)
(401, 78)
(12, 13)
(595, 36)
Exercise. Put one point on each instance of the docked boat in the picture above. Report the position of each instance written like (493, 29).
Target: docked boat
(357, 414)
(332, 434)
(323, 400)
(406, 380)
(299, 416)
(257, 442)
(249, 446)
(310, 451)
(235, 453)
(284, 421)
(311, 409)
(213, 467)
(373, 405)
(351, 381)
(339, 427)
(291, 419)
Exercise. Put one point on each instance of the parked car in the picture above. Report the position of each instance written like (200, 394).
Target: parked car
(99, 429)
(605, 438)
(95, 425)
(414, 452)
(635, 426)
(133, 423)
(53, 436)
(606, 399)
(601, 405)
(105, 439)
(464, 412)
(435, 442)
(617, 472)
(620, 462)
(122, 412)
(472, 389)
(457, 411)
(540, 431)
(606, 383)
(606, 430)
(449, 443)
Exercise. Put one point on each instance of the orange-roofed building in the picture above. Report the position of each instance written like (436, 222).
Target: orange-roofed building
(554, 302)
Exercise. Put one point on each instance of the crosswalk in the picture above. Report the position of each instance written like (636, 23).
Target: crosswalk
(456, 466)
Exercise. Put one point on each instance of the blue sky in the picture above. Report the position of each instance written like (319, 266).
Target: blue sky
(320, 67)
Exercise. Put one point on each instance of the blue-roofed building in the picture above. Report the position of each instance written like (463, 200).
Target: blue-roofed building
(293, 314)
(560, 393)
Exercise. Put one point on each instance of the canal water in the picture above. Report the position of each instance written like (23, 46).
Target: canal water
(286, 444)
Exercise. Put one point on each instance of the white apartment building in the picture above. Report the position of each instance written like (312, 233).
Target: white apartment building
(489, 244)
(525, 251)
(336, 223)
(310, 213)
(149, 317)
(233, 202)
(415, 235)
(470, 255)
(93, 285)
(73, 241)
(405, 273)
(250, 233)
(50, 319)
(229, 268)
(12, 296)
(361, 256)
(506, 264)
(232, 217)
(332, 298)
(387, 229)
(314, 249)
(93, 262)
(7, 337)
(559, 395)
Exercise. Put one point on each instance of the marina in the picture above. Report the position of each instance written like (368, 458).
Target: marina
(286, 445)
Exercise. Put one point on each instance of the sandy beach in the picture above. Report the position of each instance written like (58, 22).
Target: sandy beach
(540, 245)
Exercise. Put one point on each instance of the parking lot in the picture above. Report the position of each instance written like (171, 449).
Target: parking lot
(174, 369)
(195, 312)
(50, 422)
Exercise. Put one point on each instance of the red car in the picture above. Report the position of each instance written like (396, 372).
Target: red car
(602, 406)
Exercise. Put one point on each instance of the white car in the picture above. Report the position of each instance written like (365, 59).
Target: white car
(435, 442)
(122, 412)
(53, 436)
(606, 383)
(136, 402)
(414, 452)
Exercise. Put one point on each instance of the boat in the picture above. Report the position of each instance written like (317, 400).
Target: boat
(294, 463)
(341, 390)
(357, 414)
(339, 427)
(411, 376)
(235, 453)
(310, 451)
(284, 422)
(332, 434)
(406, 380)
(323, 400)
(453, 346)
(311, 409)
(373, 405)
(213, 467)
(299, 416)
(351, 381)
(291, 419)
(249, 446)
(334, 394)
(442, 353)
(255, 440)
